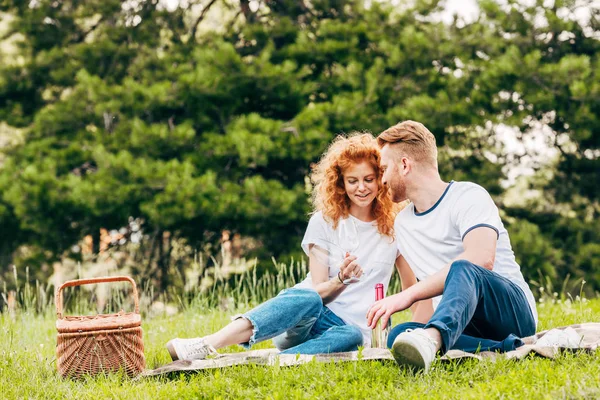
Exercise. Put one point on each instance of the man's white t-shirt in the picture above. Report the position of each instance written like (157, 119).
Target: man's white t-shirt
(375, 253)
(432, 239)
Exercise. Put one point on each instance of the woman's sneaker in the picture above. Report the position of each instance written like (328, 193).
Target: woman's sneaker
(414, 348)
(190, 349)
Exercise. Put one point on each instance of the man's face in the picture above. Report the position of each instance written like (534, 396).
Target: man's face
(393, 176)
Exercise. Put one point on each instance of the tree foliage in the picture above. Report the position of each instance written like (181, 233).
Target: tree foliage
(133, 109)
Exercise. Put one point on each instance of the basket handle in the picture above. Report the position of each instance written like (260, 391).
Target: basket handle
(103, 279)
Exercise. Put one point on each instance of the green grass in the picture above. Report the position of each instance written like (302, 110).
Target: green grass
(28, 369)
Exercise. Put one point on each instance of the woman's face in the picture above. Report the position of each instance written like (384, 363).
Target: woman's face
(360, 182)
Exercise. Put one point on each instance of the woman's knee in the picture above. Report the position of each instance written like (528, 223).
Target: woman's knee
(309, 299)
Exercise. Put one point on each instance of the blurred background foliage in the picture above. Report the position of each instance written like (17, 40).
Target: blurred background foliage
(140, 136)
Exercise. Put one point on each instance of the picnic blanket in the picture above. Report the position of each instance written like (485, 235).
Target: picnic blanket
(579, 337)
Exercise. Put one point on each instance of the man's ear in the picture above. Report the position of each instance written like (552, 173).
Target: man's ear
(405, 166)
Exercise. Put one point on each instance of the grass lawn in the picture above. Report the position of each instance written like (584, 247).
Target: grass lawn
(28, 368)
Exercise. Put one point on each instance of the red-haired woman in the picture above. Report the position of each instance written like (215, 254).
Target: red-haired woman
(326, 312)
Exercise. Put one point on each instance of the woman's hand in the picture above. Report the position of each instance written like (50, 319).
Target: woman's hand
(350, 271)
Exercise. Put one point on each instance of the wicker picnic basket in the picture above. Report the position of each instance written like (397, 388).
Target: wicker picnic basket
(99, 343)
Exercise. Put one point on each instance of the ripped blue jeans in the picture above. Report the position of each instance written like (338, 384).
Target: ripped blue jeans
(299, 323)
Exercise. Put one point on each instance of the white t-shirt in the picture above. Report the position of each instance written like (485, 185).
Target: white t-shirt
(430, 240)
(375, 253)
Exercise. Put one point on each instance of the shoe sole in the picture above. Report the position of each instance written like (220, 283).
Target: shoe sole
(172, 351)
(406, 354)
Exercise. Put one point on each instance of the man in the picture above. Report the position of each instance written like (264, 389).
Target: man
(452, 238)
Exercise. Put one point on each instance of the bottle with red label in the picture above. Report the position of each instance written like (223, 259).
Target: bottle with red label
(379, 335)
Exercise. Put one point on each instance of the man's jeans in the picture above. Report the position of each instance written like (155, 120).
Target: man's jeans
(300, 323)
(480, 311)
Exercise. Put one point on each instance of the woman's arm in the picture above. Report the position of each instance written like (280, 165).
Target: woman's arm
(421, 310)
(328, 288)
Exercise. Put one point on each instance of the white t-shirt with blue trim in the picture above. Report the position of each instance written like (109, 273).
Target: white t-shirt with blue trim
(375, 253)
(430, 240)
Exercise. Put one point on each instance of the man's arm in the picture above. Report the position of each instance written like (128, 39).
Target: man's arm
(421, 310)
(479, 248)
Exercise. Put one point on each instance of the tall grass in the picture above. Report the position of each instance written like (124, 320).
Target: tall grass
(37, 297)
(209, 289)
(28, 340)
(223, 291)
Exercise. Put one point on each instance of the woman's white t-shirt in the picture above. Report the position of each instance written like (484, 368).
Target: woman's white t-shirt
(375, 253)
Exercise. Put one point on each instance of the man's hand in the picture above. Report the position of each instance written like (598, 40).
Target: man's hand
(383, 309)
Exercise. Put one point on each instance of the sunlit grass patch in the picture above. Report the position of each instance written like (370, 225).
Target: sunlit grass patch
(28, 369)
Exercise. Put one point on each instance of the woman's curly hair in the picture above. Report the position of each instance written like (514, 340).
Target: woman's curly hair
(329, 195)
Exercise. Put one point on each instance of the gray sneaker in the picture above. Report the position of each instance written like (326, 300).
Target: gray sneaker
(190, 349)
(415, 349)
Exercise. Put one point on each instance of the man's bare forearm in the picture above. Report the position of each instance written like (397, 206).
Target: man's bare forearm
(428, 288)
(434, 285)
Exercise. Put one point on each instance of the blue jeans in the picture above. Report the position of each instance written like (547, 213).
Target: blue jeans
(480, 311)
(300, 324)
(465, 342)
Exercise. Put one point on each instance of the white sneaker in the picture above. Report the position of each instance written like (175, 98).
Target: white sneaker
(414, 348)
(190, 349)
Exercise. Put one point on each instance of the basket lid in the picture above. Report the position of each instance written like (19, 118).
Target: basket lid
(86, 323)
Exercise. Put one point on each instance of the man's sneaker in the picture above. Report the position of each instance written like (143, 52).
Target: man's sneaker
(189, 349)
(414, 348)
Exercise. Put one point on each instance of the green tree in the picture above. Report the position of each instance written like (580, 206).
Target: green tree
(136, 110)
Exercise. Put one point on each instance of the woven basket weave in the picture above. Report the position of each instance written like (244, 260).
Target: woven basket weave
(93, 344)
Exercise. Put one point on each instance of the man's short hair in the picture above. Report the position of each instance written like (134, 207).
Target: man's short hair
(412, 139)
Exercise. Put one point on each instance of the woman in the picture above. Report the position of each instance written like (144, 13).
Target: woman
(326, 312)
